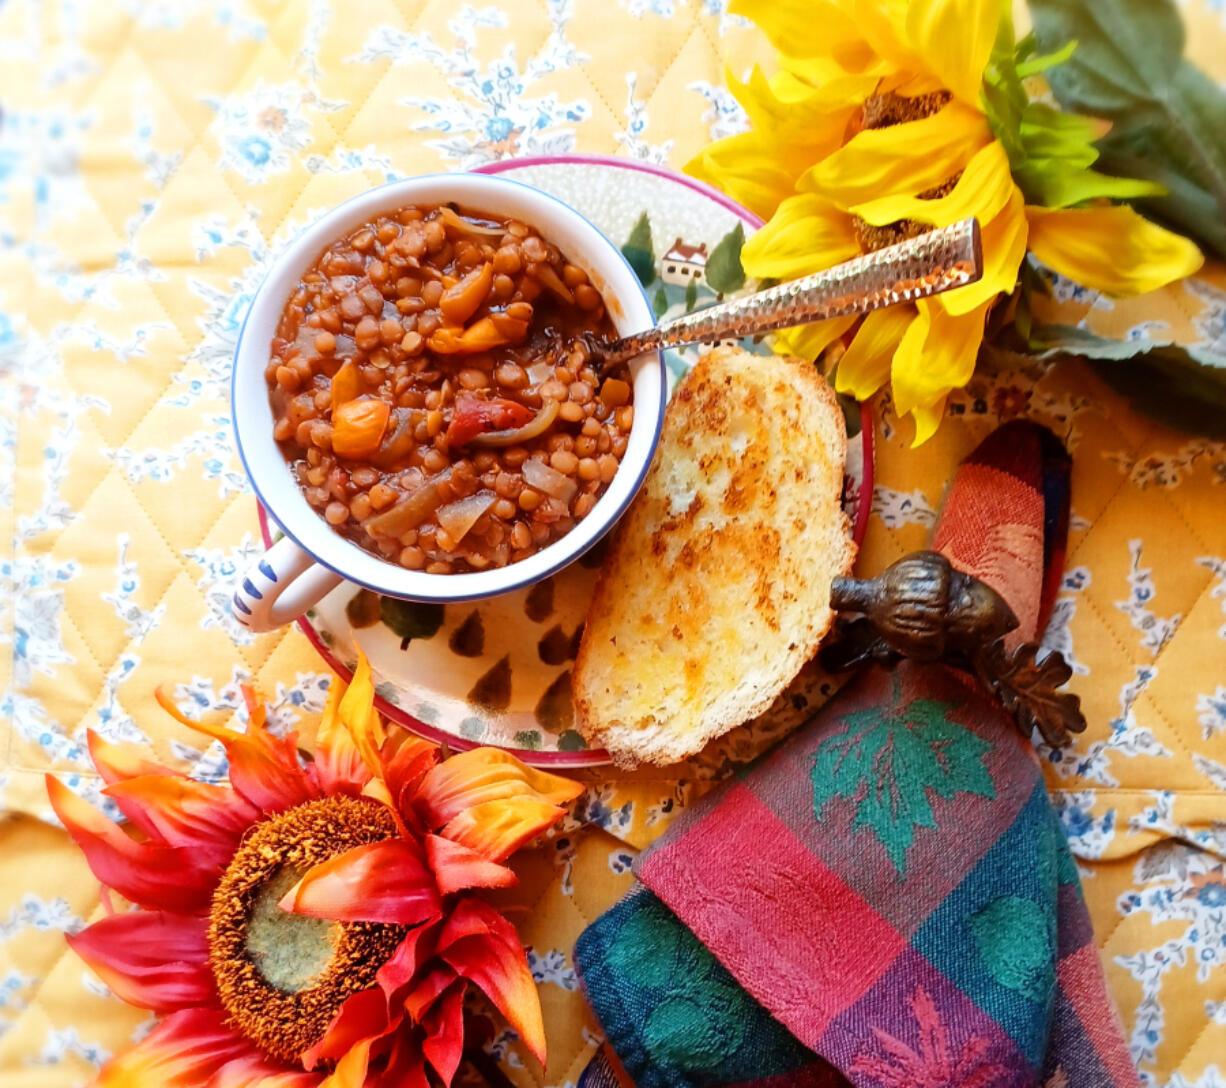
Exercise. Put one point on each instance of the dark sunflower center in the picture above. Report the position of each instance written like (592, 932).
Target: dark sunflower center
(281, 977)
(884, 111)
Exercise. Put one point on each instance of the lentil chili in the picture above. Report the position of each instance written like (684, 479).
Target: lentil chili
(431, 392)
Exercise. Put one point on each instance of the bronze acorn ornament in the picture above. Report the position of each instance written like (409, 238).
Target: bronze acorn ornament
(924, 608)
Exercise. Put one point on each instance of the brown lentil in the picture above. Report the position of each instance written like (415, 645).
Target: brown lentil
(372, 310)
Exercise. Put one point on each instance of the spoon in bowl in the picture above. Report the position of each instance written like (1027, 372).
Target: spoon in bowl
(926, 265)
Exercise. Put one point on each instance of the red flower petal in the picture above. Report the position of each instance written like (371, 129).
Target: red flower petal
(115, 762)
(428, 990)
(363, 1016)
(406, 1066)
(263, 768)
(149, 874)
(497, 829)
(209, 819)
(119, 762)
(467, 920)
(338, 763)
(384, 881)
(151, 959)
(256, 1071)
(395, 976)
(444, 1024)
(486, 774)
(407, 767)
(456, 867)
(351, 1070)
(184, 1051)
(357, 711)
(496, 961)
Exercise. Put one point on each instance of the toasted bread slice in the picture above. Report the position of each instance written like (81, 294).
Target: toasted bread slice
(716, 588)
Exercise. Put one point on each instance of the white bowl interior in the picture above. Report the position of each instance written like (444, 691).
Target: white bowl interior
(582, 244)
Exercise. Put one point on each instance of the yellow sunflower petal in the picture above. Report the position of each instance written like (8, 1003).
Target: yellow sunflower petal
(909, 84)
(1110, 249)
(865, 366)
(927, 420)
(905, 158)
(800, 114)
(954, 38)
(983, 189)
(882, 27)
(789, 24)
(908, 359)
(806, 234)
(809, 341)
(937, 354)
(1004, 248)
(745, 168)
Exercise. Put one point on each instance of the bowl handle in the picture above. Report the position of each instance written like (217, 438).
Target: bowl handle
(280, 586)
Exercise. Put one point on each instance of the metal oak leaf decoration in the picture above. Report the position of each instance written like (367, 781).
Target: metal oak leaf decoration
(1027, 688)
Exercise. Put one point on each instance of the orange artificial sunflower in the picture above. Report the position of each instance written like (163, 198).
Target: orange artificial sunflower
(310, 925)
(888, 118)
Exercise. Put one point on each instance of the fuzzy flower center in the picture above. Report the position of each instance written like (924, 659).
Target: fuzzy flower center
(289, 950)
(884, 111)
(282, 977)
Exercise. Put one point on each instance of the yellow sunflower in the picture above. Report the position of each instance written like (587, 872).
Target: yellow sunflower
(887, 118)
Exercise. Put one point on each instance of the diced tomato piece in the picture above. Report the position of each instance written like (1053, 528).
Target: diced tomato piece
(474, 415)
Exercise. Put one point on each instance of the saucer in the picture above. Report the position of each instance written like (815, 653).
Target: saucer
(498, 672)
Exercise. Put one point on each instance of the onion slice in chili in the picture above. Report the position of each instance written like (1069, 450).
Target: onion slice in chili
(410, 511)
(462, 225)
(460, 516)
(534, 428)
(549, 480)
(545, 274)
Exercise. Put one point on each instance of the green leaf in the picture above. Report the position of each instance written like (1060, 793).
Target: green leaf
(691, 295)
(411, 619)
(1016, 938)
(659, 302)
(889, 760)
(639, 251)
(1004, 97)
(363, 609)
(1050, 133)
(1180, 387)
(1169, 387)
(1167, 117)
(1032, 66)
(1054, 184)
(724, 271)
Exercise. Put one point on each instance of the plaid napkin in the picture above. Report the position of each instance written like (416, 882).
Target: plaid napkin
(891, 885)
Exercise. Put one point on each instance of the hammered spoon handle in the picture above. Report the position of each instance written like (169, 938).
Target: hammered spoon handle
(919, 267)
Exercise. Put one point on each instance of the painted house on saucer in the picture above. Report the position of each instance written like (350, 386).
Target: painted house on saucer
(683, 265)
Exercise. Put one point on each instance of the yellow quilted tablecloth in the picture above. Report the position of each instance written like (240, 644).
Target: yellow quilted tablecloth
(153, 154)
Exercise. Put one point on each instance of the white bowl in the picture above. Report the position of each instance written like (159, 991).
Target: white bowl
(313, 558)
